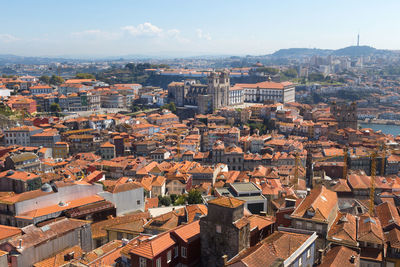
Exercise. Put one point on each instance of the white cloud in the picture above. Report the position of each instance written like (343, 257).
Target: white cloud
(203, 35)
(176, 34)
(6, 38)
(145, 29)
(97, 34)
(149, 30)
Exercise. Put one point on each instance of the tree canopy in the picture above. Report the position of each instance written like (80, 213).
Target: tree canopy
(290, 73)
(164, 200)
(55, 108)
(194, 197)
(170, 106)
(56, 80)
(85, 76)
(268, 70)
(44, 79)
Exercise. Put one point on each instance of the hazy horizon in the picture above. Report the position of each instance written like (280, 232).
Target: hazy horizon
(177, 28)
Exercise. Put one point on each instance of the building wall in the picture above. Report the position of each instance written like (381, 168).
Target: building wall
(107, 152)
(175, 187)
(80, 236)
(346, 115)
(60, 151)
(22, 138)
(127, 201)
(66, 193)
(220, 237)
(3, 260)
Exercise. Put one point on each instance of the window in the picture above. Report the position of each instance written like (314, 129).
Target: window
(142, 262)
(218, 229)
(169, 256)
(119, 235)
(158, 262)
(138, 202)
(183, 252)
(176, 252)
(308, 253)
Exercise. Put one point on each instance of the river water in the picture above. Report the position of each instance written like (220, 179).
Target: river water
(386, 129)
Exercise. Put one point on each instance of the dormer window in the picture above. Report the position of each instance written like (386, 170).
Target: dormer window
(310, 213)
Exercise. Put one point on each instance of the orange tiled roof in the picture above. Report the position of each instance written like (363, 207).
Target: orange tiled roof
(98, 228)
(188, 231)
(279, 245)
(151, 248)
(58, 259)
(340, 256)
(370, 230)
(58, 208)
(108, 145)
(228, 202)
(320, 202)
(387, 214)
(8, 231)
(192, 210)
(344, 229)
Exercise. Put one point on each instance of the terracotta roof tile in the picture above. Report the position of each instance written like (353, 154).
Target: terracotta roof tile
(98, 228)
(370, 230)
(8, 231)
(340, 256)
(228, 202)
(277, 246)
(58, 259)
(387, 214)
(319, 202)
(344, 229)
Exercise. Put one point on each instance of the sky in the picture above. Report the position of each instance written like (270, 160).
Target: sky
(105, 28)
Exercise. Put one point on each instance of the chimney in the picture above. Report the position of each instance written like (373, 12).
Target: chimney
(352, 259)
(225, 258)
(69, 256)
(320, 255)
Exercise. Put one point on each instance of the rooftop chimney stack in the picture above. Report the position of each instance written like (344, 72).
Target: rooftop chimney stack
(225, 258)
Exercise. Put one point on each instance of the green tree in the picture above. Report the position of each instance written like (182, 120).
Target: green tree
(170, 106)
(85, 76)
(44, 79)
(174, 197)
(290, 73)
(316, 77)
(55, 108)
(194, 197)
(262, 128)
(181, 200)
(56, 80)
(164, 201)
(268, 70)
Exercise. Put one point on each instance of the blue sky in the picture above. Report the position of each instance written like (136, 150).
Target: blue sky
(172, 27)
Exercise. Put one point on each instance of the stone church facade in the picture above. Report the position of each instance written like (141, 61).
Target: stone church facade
(208, 97)
(345, 114)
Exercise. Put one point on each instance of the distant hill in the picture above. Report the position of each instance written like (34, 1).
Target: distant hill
(301, 52)
(13, 59)
(359, 51)
(351, 51)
